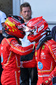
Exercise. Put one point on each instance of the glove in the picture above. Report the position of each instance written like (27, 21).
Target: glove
(48, 80)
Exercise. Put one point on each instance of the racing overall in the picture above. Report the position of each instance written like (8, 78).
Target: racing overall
(10, 52)
(45, 58)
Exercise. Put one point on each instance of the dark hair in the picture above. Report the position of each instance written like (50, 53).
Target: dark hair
(26, 4)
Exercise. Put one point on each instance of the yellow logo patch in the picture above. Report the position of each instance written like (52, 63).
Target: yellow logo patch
(43, 47)
(36, 53)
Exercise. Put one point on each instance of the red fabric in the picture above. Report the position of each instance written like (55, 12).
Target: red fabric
(10, 60)
(48, 80)
(46, 61)
(30, 64)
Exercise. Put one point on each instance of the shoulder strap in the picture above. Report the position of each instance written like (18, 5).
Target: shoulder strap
(43, 40)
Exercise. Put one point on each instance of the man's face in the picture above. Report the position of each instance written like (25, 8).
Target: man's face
(26, 13)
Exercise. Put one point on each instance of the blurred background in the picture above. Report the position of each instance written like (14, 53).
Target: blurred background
(45, 8)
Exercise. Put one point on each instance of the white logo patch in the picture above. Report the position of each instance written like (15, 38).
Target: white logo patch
(43, 56)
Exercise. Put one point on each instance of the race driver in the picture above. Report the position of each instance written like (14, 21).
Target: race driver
(11, 50)
(45, 50)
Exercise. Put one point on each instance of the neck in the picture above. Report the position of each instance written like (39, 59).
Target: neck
(26, 20)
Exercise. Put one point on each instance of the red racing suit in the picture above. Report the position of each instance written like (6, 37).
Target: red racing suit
(45, 58)
(10, 51)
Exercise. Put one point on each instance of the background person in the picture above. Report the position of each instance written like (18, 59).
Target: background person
(53, 33)
(27, 73)
(2, 20)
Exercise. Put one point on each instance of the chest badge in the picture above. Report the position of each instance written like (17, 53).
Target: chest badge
(1, 57)
(40, 65)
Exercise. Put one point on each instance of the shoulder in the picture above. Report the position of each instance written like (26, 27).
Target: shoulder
(11, 39)
(51, 42)
(2, 14)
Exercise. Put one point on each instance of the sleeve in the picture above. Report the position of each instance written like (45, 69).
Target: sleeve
(18, 49)
(48, 80)
(29, 64)
(52, 49)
